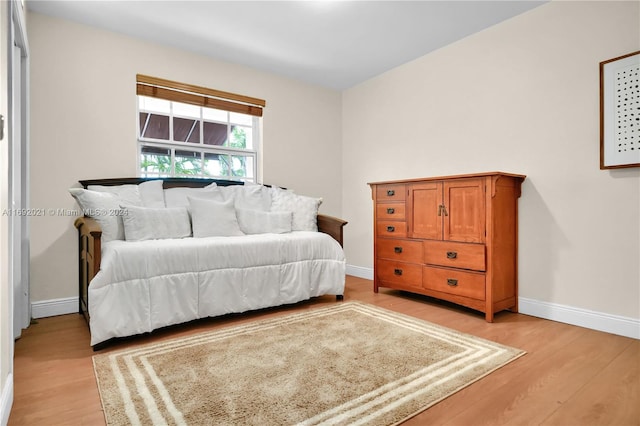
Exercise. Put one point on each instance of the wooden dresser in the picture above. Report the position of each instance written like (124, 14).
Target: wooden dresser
(451, 237)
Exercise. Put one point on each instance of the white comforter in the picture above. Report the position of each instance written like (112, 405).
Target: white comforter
(145, 285)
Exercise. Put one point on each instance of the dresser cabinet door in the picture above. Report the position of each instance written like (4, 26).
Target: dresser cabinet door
(464, 211)
(425, 220)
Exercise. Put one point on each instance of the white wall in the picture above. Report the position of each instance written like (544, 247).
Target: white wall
(83, 125)
(521, 97)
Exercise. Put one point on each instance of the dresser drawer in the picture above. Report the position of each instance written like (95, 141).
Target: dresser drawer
(390, 228)
(400, 250)
(390, 192)
(455, 255)
(460, 283)
(405, 274)
(390, 211)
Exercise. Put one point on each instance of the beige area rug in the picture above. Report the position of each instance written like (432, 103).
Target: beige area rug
(350, 363)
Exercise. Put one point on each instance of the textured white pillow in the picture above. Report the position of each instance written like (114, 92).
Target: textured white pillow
(152, 193)
(304, 209)
(104, 207)
(254, 197)
(261, 222)
(145, 223)
(146, 194)
(213, 218)
(177, 197)
(247, 196)
(127, 194)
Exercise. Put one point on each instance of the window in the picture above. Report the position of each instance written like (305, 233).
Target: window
(186, 130)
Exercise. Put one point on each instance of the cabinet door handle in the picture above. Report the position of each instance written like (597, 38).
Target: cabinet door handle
(452, 282)
(391, 211)
(397, 271)
(397, 249)
(391, 228)
(391, 192)
(440, 210)
(452, 255)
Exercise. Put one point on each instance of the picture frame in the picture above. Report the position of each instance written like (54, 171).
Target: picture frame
(620, 112)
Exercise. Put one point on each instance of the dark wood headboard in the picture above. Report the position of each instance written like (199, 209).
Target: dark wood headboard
(167, 182)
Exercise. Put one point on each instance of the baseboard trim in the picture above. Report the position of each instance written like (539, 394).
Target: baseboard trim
(615, 324)
(54, 307)
(7, 400)
(360, 272)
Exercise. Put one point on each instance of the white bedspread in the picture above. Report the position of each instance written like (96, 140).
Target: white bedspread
(145, 285)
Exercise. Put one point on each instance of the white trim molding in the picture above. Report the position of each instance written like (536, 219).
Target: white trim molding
(615, 324)
(54, 307)
(6, 400)
(360, 272)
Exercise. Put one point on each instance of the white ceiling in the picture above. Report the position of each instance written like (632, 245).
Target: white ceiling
(335, 44)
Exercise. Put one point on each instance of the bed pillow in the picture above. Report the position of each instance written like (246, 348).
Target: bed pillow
(248, 196)
(304, 209)
(152, 193)
(146, 194)
(128, 194)
(104, 207)
(261, 222)
(253, 197)
(213, 218)
(178, 197)
(147, 223)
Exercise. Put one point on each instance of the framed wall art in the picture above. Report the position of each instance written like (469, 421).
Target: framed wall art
(620, 112)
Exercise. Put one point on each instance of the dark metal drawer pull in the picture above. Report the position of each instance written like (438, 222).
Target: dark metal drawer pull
(391, 211)
(391, 228)
(397, 249)
(397, 271)
(391, 192)
(452, 255)
(452, 282)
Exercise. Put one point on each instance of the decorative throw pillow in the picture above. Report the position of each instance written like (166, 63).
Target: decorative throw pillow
(104, 207)
(261, 222)
(304, 209)
(213, 218)
(145, 223)
(178, 197)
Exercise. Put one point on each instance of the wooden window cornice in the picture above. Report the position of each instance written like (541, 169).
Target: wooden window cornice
(198, 95)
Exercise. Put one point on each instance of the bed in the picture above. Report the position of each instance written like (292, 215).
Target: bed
(130, 287)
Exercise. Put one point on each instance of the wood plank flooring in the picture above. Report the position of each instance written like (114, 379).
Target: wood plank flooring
(570, 375)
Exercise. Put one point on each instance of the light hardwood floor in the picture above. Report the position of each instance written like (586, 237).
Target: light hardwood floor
(570, 375)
